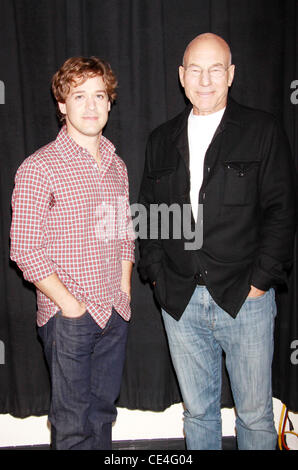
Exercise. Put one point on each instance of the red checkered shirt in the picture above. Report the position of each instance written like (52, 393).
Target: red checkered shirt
(71, 217)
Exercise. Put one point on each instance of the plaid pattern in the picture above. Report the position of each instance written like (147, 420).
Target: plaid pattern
(72, 217)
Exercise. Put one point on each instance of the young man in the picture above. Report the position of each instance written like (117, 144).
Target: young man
(235, 162)
(71, 236)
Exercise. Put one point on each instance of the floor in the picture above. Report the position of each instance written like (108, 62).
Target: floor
(228, 443)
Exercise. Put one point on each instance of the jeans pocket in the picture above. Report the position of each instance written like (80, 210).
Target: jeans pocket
(262, 303)
(73, 319)
(45, 330)
(258, 298)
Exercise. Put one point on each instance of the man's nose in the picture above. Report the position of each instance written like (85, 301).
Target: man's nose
(205, 78)
(90, 102)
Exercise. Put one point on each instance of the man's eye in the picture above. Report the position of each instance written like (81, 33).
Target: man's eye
(78, 97)
(100, 97)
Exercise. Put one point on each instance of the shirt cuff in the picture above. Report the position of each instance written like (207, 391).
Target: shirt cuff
(127, 252)
(35, 268)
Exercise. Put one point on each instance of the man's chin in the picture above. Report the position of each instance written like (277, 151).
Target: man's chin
(91, 132)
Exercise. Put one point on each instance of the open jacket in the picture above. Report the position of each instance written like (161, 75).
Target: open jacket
(249, 210)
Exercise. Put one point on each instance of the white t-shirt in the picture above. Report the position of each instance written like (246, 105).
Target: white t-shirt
(200, 133)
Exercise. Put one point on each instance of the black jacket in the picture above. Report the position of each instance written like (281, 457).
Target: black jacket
(248, 195)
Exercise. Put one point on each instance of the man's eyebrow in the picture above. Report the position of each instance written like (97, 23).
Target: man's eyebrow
(84, 91)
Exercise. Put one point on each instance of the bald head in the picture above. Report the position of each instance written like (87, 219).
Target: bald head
(209, 40)
(207, 73)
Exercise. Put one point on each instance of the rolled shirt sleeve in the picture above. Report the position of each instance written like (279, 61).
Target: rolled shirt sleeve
(30, 206)
(127, 233)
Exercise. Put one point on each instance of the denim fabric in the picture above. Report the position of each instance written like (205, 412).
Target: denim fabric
(86, 364)
(196, 342)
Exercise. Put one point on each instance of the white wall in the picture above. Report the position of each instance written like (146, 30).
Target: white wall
(130, 425)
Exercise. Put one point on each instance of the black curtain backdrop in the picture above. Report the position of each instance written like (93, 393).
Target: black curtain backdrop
(144, 41)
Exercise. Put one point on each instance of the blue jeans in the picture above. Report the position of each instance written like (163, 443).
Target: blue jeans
(196, 343)
(86, 364)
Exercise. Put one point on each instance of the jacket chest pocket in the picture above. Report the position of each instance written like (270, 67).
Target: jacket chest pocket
(240, 182)
(162, 184)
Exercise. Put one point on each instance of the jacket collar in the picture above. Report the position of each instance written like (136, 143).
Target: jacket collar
(232, 115)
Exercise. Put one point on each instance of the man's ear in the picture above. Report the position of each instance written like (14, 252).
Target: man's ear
(231, 71)
(181, 75)
(62, 108)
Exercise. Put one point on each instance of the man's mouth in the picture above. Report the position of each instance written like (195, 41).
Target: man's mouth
(205, 93)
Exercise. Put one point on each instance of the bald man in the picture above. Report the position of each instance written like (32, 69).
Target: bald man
(231, 166)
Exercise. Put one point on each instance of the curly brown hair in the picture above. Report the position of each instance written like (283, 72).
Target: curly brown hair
(75, 71)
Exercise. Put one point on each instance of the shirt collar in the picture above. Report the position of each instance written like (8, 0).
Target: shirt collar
(69, 148)
(213, 117)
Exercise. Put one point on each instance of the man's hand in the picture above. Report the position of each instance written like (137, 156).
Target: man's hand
(53, 288)
(254, 292)
(127, 289)
(73, 309)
